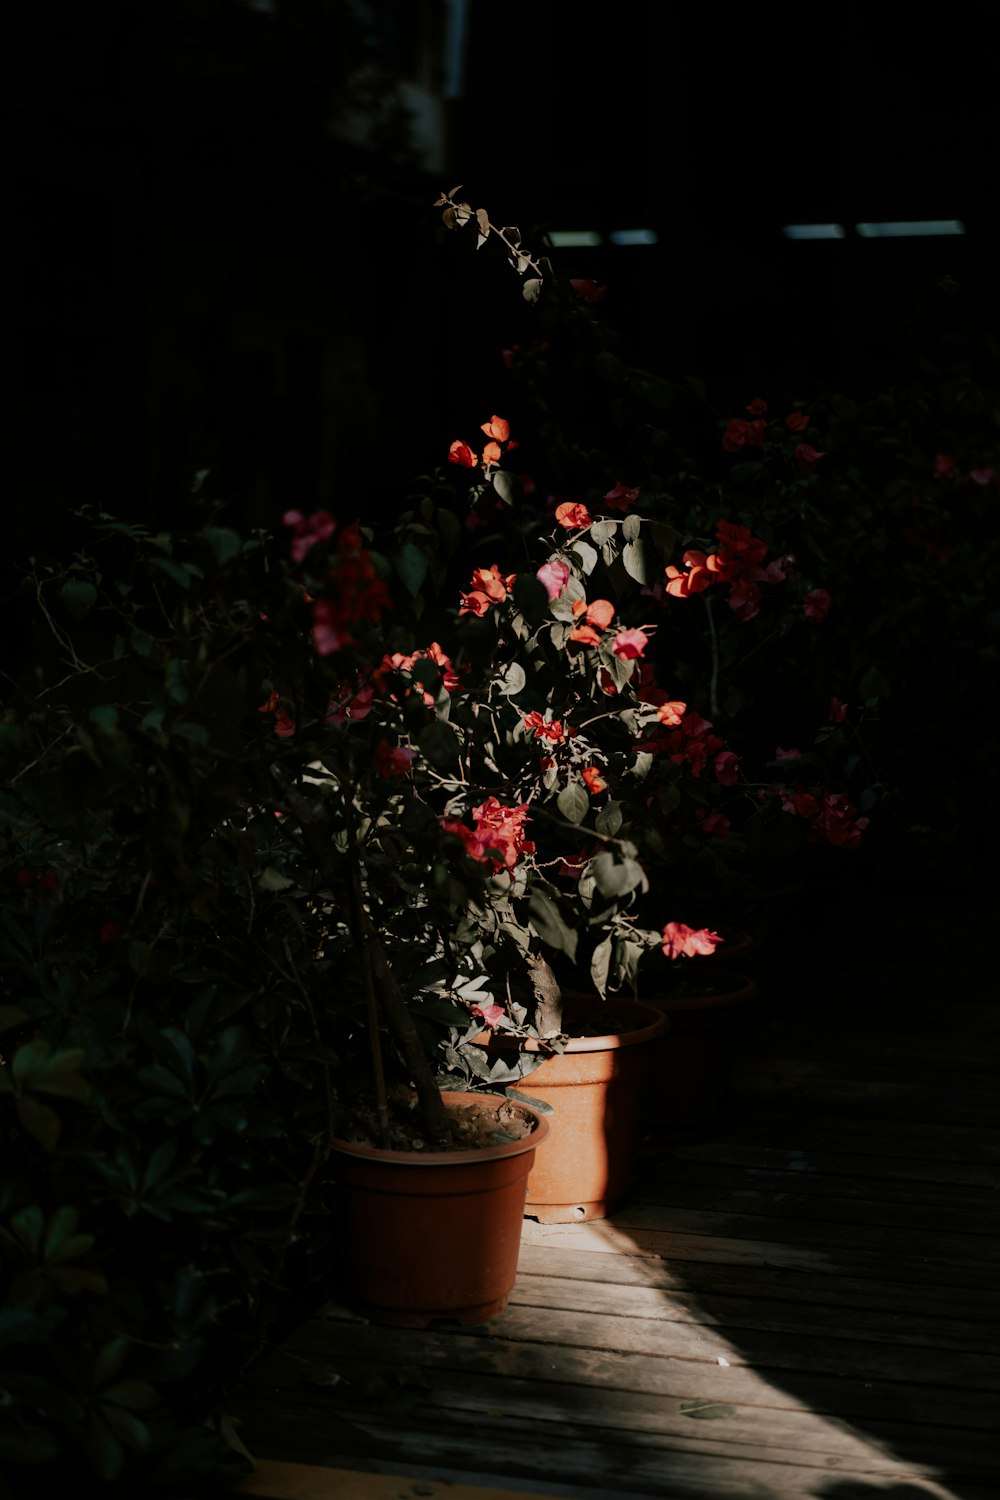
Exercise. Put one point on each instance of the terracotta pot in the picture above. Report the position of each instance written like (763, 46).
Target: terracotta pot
(689, 1079)
(595, 1091)
(434, 1235)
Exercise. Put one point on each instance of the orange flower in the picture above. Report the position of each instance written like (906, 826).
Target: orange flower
(573, 515)
(497, 428)
(461, 453)
(592, 780)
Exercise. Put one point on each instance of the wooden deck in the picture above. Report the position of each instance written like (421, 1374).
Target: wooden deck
(804, 1305)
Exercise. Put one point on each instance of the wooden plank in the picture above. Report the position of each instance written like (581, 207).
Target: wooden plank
(906, 1202)
(724, 1428)
(708, 1279)
(731, 1313)
(657, 1467)
(485, 1355)
(832, 1156)
(276, 1480)
(787, 1349)
(604, 1237)
(839, 1238)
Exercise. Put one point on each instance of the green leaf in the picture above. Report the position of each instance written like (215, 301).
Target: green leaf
(273, 880)
(614, 877)
(541, 1105)
(531, 289)
(109, 1361)
(531, 598)
(507, 486)
(573, 802)
(602, 531)
(635, 562)
(136, 1395)
(174, 680)
(411, 565)
(79, 597)
(10, 1016)
(586, 554)
(631, 527)
(29, 1059)
(609, 819)
(180, 575)
(600, 962)
(39, 1121)
(61, 1228)
(514, 680)
(127, 1428)
(26, 1444)
(142, 642)
(438, 744)
(224, 543)
(29, 1226)
(105, 1454)
(548, 923)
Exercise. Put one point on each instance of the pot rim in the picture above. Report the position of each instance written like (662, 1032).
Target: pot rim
(610, 1042)
(743, 994)
(397, 1158)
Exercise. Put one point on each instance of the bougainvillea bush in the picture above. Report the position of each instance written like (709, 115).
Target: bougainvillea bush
(290, 819)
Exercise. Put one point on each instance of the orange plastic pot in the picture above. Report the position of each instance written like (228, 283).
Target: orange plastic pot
(595, 1089)
(434, 1235)
(692, 1064)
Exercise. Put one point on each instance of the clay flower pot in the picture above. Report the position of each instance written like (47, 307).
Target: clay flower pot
(435, 1235)
(595, 1089)
(689, 1079)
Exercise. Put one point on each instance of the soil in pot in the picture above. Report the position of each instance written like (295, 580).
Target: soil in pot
(594, 1087)
(434, 1235)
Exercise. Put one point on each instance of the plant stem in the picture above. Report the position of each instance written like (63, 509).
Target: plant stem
(713, 691)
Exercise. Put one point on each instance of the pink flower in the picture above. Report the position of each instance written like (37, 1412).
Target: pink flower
(630, 644)
(797, 421)
(671, 713)
(621, 497)
(327, 630)
(681, 941)
(816, 605)
(554, 575)
(792, 754)
(807, 457)
(319, 527)
(488, 1014)
(393, 760)
(496, 427)
(586, 289)
(725, 767)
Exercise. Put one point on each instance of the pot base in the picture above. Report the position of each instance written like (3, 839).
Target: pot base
(413, 1317)
(570, 1213)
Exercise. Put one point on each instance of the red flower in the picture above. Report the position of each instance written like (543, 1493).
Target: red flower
(698, 577)
(586, 289)
(838, 711)
(621, 497)
(807, 457)
(739, 432)
(573, 516)
(757, 407)
(284, 724)
(544, 729)
(319, 527)
(944, 466)
(461, 453)
(393, 760)
(110, 932)
(725, 764)
(630, 644)
(797, 421)
(714, 824)
(592, 780)
(681, 941)
(816, 605)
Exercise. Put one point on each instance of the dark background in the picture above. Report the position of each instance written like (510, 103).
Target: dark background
(229, 258)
